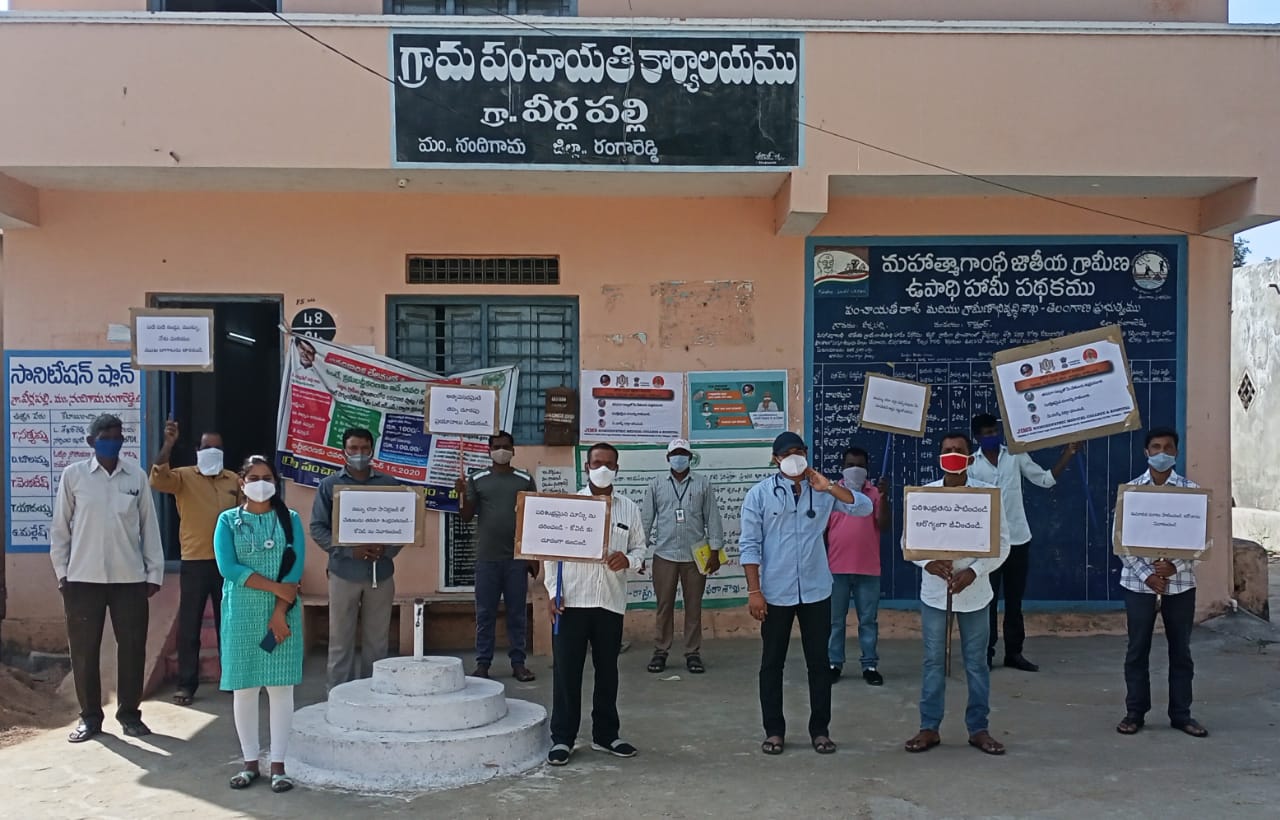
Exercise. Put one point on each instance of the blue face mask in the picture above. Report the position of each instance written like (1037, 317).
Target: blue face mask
(107, 447)
(679, 463)
(1161, 462)
(991, 442)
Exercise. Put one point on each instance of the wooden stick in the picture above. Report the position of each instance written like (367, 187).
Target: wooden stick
(950, 624)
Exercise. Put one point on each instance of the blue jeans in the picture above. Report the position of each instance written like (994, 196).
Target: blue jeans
(507, 579)
(865, 590)
(974, 629)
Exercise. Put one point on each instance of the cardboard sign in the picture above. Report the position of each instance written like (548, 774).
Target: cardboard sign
(894, 405)
(174, 340)
(562, 527)
(461, 410)
(1072, 388)
(392, 516)
(1161, 521)
(950, 523)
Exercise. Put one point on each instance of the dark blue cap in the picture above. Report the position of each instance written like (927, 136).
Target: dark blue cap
(787, 441)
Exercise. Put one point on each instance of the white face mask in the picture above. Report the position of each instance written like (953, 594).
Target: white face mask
(855, 477)
(794, 465)
(209, 461)
(502, 456)
(602, 477)
(260, 491)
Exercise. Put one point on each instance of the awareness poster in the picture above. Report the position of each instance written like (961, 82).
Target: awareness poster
(637, 406)
(329, 388)
(737, 405)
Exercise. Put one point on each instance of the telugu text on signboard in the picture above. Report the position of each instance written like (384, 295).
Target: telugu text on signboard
(175, 340)
(377, 515)
(949, 523)
(894, 405)
(1161, 521)
(562, 527)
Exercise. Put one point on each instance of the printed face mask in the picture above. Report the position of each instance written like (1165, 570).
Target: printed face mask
(953, 462)
(679, 463)
(209, 461)
(991, 442)
(107, 447)
(359, 462)
(855, 477)
(793, 466)
(1161, 462)
(502, 456)
(602, 477)
(259, 491)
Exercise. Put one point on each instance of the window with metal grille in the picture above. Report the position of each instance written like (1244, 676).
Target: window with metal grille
(216, 6)
(453, 334)
(1246, 391)
(482, 270)
(547, 8)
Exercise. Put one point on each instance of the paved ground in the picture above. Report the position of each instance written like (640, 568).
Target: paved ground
(699, 757)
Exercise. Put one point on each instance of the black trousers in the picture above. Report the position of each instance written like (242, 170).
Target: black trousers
(775, 632)
(200, 581)
(1012, 577)
(1178, 613)
(86, 606)
(601, 630)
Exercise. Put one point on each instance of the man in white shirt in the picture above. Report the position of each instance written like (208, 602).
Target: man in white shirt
(588, 601)
(1168, 587)
(966, 579)
(104, 543)
(996, 466)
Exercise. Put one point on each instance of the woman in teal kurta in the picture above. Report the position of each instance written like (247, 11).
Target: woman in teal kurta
(251, 544)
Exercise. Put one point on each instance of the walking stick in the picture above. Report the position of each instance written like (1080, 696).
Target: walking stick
(947, 644)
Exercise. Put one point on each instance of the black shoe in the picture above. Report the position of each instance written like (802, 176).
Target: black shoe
(1020, 662)
(618, 748)
(836, 671)
(83, 731)
(136, 729)
(481, 671)
(559, 754)
(872, 677)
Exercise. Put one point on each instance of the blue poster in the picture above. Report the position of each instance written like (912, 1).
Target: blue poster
(737, 405)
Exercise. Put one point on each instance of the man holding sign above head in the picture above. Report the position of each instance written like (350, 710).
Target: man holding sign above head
(588, 600)
(965, 582)
(491, 495)
(361, 586)
(785, 559)
(1167, 586)
(996, 466)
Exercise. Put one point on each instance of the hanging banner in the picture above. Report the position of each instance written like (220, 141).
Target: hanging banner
(329, 388)
(631, 405)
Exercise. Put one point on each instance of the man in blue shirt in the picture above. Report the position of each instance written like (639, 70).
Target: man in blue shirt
(785, 559)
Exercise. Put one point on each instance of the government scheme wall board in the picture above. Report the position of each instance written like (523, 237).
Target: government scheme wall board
(1161, 521)
(894, 405)
(364, 516)
(1072, 388)
(950, 523)
(562, 527)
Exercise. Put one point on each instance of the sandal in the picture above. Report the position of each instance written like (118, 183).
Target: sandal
(244, 779)
(824, 745)
(281, 783)
(694, 664)
(924, 740)
(772, 747)
(184, 697)
(1192, 728)
(657, 663)
(1131, 725)
(985, 743)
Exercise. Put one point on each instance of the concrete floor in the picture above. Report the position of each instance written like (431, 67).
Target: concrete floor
(699, 739)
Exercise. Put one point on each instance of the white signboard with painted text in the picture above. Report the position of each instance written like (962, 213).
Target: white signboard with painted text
(369, 516)
(175, 340)
(1162, 521)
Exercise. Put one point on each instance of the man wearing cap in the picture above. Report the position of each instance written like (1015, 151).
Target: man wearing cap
(788, 579)
(680, 514)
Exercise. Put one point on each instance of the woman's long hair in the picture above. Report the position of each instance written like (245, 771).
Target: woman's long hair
(277, 503)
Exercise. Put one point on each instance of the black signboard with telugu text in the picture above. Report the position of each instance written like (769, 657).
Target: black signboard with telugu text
(596, 101)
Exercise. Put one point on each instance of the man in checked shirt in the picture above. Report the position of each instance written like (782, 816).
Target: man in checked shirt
(1170, 588)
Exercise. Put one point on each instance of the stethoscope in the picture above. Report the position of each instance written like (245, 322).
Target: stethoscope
(777, 487)
(246, 531)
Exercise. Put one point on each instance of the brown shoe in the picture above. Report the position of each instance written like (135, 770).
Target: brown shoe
(521, 673)
(481, 671)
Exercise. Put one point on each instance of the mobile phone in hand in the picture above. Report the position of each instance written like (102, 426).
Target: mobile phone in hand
(269, 642)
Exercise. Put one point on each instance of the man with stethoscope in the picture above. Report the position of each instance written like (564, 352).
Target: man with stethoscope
(788, 579)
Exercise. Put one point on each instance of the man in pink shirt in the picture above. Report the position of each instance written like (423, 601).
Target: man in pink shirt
(853, 552)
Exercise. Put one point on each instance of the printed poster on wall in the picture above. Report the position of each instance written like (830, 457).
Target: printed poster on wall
(737, 405)
(329, 388)
(634, 406)
(52, 396)
(733, 469)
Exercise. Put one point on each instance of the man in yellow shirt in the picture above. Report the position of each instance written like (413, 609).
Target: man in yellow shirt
(202, 493)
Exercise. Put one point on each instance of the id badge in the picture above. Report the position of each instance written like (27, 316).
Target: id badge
(679, 516)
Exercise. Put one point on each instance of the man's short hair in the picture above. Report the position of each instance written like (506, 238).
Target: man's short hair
(602, 446)
(1161, 432)
(983, 421)
(960, 434)
(499, 436)
(855, 451)
(356, 432)
(103, 423)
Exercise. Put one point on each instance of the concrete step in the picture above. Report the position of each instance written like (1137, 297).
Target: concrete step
(356, 705)
(322, 754)
(418, 676)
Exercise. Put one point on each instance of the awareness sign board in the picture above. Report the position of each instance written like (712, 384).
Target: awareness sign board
(641, 100)
(465, 410)
(640, 406)
(1162, 521)
(174, 340)
(950, 523)
(737, 405)
(329, 388)
(560, 527)
(391, 516)
(894, 405)
(1071, 388)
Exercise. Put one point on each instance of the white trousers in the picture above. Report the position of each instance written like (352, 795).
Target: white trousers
(245, 707)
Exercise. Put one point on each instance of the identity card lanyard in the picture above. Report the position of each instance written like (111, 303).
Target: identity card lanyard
(679, 498)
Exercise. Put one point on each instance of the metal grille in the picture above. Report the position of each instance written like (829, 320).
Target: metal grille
(1246, 391)
(548, 8)
(482, 270)
(539, 336)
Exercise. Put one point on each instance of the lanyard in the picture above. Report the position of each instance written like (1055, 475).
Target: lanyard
(680, 495)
